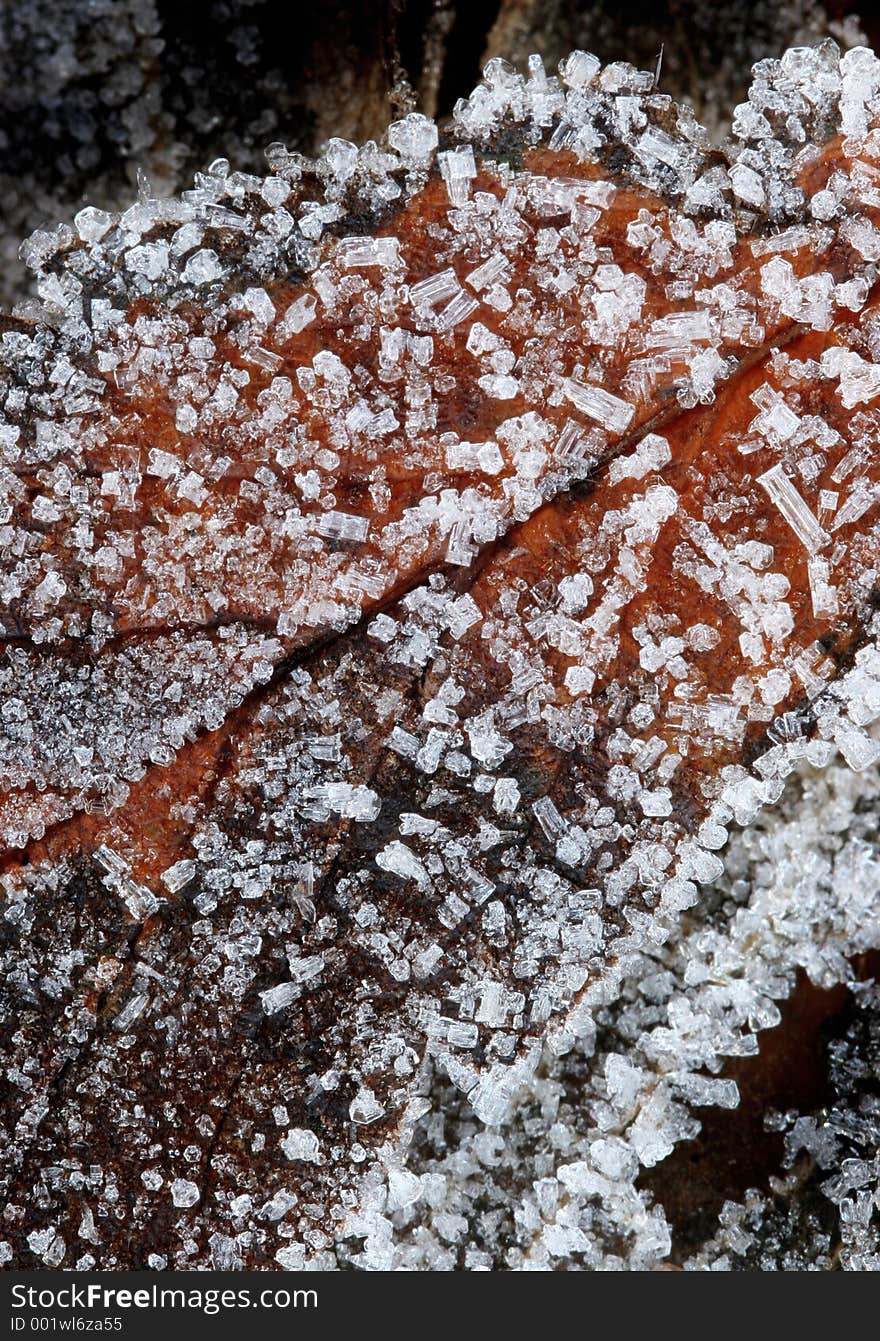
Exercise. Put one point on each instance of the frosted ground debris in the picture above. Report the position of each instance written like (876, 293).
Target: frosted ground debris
(414, 563)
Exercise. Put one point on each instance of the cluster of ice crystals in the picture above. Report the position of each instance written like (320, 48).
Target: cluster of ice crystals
(559, 1183)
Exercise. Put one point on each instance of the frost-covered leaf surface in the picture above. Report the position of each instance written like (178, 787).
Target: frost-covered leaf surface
(413, 564)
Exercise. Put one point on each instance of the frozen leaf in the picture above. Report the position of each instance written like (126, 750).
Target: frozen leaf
(356, 606)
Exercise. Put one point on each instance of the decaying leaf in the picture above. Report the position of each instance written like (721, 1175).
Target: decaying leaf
(412, 563)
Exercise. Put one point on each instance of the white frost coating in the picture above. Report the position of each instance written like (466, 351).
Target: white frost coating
(800, 905)
(303, 483)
